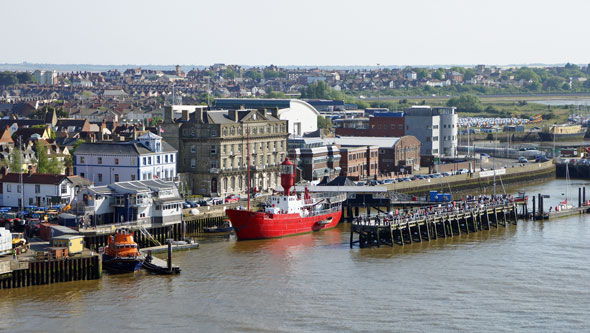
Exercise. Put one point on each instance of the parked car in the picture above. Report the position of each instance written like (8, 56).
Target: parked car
(373, 182)
(361, 183)
(186, 205)
(522, 159)
(203, 203)
(437, 175)
(193, 204)
(232, 198)
(482, 155)
(446, 174)
(389, 181)
(541, 159)
(462, 171)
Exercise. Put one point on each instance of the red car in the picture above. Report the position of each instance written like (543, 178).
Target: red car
(232, 198)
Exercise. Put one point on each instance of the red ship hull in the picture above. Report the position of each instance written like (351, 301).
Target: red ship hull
(260, 225)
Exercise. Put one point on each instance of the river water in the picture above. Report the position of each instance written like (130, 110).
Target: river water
(531, 277)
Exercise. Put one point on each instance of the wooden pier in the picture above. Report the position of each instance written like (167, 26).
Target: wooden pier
(381, 229)
(25, 273)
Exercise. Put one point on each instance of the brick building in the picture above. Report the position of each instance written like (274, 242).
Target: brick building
(385, 124)
(399, 155)
(314, 159)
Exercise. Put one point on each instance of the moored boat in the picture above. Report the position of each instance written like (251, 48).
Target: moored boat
(225, 227)
(122, 253)
(289, 213)
(564, 132)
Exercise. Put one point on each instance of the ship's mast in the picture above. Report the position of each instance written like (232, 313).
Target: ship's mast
(248, 162)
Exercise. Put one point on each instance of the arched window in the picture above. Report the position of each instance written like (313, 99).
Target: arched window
(193, 163)
(224, 184)
(233, 183)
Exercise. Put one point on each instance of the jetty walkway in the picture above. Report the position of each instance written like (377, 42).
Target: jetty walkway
(424, 224)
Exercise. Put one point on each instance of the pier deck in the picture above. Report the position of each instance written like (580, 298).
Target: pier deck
(418, 226)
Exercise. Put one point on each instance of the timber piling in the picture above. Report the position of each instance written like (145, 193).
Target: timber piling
(421, 225)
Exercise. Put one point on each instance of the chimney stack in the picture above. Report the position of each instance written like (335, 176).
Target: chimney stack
(185, 115)
(168, 115)
(233, 115)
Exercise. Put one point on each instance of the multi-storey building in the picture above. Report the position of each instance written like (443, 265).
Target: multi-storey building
(435, 128)
(148, 157)
(314, 159)
(385, 124)
(152, 202)
(400, 155)
(359, 162)
(214, 145)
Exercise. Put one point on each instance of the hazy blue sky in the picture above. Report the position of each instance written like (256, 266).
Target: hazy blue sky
(301, 32)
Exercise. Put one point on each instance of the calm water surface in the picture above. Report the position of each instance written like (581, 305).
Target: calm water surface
(531, 277)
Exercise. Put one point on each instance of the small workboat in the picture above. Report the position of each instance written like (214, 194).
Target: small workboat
(225, 227)
(122, 253)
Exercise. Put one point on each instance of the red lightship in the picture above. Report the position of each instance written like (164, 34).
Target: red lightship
(289, 213)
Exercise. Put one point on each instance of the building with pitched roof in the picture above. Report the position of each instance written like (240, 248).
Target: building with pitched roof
(213, 149)
(148, 157)
(151, 202)
(40, 189)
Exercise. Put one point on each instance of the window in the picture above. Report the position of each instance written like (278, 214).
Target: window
(225, 149)
(165, 158)
(82, 174)
(37, 188)
(435, 138)
(213, 149)
(214, 164)
(132, 177)
(8, 188)
(193, 163)
(435, 127)
(171, 158)
(100, 160)
(435, 151)
(116, 161)
(239, 161)
(213, 132)
(158, 159)
(223, 163)
(30, 201)
(150, 160)
(145, 161)
(193, 149)
(116, 177)
(100, 177)
(82, 160)
(18, 189)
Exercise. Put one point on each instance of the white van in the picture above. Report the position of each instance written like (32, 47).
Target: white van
(5, 241)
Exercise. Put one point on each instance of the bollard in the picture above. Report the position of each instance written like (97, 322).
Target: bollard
(170, 255)
(534, 208)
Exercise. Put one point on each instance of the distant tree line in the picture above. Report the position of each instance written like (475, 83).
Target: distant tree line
(11, 78)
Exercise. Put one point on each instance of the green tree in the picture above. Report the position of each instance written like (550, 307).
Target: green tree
(421, 73)
(438, 74)
(324, 122)
(469, 74)
(55, 166)
(253, 74)
(16, 159)
(42, 159)
(466, 103)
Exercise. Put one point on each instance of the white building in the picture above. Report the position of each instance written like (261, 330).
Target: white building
(154, 202)
(148, 157)
(45, 77)
(436, 128)
(301, 116)
(40, 189)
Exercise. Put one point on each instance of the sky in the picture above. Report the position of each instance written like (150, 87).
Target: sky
(299, 32)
